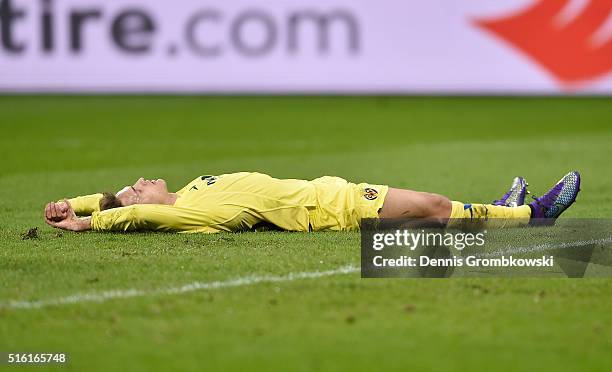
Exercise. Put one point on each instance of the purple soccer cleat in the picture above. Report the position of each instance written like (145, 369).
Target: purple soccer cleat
(515, 196)
(557, 199)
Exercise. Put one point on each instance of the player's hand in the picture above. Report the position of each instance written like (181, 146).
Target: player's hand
(57, 211)
(62, 216)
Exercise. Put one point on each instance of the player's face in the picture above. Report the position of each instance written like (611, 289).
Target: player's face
(144, 192)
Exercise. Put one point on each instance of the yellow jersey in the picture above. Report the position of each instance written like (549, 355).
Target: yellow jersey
(243, 201)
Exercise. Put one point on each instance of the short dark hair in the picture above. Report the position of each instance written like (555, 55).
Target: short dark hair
(109, 201)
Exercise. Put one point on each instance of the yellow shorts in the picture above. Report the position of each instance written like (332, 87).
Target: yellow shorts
(341, 205)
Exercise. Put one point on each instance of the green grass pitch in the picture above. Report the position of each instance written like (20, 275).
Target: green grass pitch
(466, 148)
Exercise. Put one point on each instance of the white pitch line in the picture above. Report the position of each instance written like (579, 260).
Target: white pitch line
(191, 287)
(251, 280)
(545, 247)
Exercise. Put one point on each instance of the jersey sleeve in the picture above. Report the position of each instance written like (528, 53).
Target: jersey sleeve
(85, 205)
(154, 217)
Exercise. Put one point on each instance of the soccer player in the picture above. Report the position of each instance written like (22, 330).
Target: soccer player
(245, 201)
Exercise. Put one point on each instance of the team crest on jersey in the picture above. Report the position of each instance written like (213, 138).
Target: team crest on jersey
(370, 193)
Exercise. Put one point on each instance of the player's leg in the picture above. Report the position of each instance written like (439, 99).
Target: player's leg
(514, 215)
(401, 203)
(413, 204)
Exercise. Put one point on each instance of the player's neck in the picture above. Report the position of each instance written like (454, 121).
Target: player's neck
(171, 199)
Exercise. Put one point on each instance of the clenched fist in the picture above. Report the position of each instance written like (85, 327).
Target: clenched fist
(62, 216)
(57, 211)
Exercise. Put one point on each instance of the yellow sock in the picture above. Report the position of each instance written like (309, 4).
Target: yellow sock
(490, 215)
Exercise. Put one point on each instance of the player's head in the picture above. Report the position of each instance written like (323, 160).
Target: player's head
(142, 192)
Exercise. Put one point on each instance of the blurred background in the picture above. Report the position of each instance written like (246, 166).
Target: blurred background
(296, 47)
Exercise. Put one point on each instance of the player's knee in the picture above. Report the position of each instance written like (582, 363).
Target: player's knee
(438, 207)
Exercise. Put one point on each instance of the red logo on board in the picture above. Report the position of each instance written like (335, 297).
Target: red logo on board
(569, 51)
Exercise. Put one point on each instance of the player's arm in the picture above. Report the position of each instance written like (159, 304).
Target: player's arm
(85, 205)
(151, 217)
